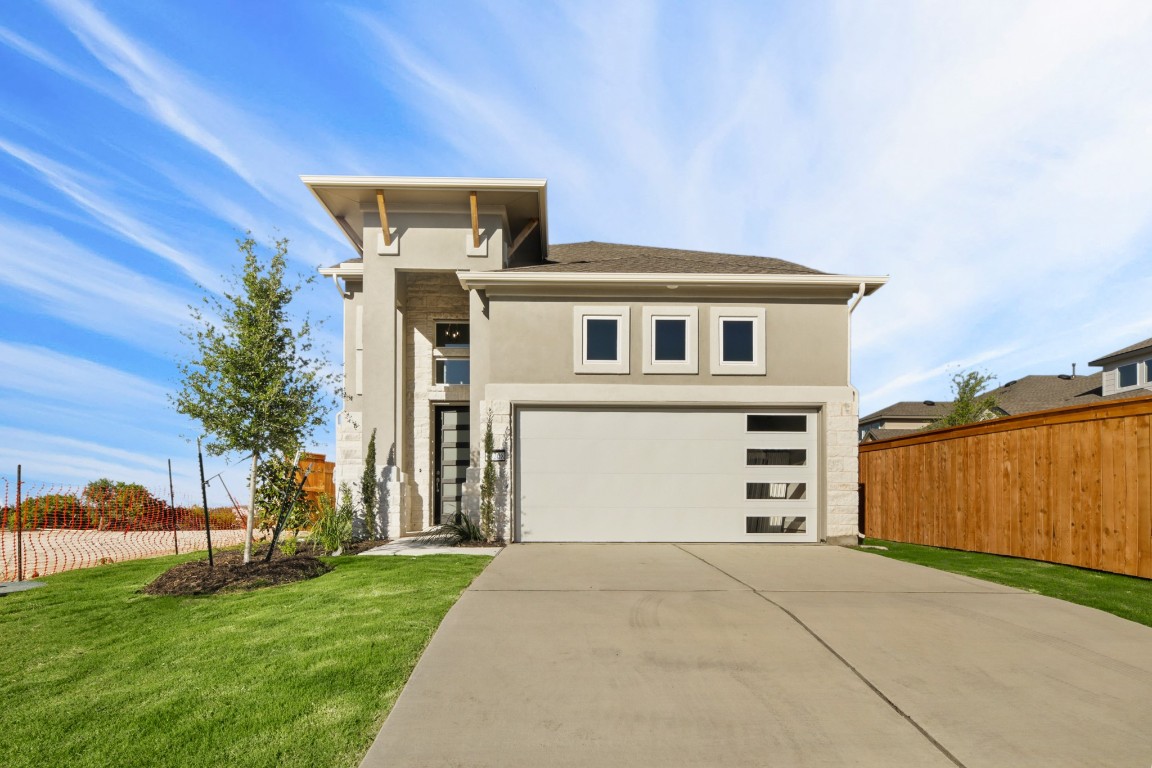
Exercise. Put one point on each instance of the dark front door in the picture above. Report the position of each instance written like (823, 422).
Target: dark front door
(451, 460)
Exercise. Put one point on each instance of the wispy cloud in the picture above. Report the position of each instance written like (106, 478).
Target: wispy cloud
(83, 192)
(90, 291)
(253, 149)
(85, 385)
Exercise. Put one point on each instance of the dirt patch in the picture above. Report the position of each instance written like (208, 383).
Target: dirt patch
(230, 574)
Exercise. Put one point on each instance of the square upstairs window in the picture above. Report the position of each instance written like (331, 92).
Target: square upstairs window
(600, 340)
(453, 370)
(671, 340)
(452, 335)
(738, 341)
(1126, 375)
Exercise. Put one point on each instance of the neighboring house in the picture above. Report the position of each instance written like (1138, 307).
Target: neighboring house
(1127, 373)
(1127, 370)
(635, 394)
(901, 418)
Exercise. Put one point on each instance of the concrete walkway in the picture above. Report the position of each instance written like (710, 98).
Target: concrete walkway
(758, 655)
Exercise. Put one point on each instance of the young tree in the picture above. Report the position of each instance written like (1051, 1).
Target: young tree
(253, 383)
(368, 488)
(968, 405)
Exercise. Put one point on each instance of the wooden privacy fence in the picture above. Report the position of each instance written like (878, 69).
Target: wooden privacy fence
(1072, 486)
(320, 478)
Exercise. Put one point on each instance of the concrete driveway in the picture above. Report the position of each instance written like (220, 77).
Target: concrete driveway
(765, 655)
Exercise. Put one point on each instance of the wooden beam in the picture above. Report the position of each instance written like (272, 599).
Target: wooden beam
(520, 238)
(383, 217)
(352, 234)
(475, 220)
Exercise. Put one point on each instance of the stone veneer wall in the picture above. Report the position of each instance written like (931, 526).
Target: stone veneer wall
(841, 468)
(349, 452)
(431, 297)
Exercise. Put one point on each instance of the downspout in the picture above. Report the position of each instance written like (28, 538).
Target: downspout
(855, 394)
(344, 293)
(859, 295)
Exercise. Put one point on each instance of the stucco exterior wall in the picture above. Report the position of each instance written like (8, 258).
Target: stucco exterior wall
(806, 342)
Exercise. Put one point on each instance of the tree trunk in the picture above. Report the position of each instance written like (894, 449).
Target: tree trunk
(248, 526)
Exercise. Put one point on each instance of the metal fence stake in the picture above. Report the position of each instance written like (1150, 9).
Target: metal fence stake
(19, 528)
(172, 507)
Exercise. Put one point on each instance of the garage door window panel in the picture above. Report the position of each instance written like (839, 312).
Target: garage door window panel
(776, 491)
(777, 457)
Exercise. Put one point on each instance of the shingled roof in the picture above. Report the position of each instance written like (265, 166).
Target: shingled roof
(1137, 347)
(910, 409)
(594, 257)
(1042, 393)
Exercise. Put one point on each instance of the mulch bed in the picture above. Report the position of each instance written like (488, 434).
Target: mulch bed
(230, 574)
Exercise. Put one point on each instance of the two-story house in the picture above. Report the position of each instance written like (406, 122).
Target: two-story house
(634, 393)
(1127, 370)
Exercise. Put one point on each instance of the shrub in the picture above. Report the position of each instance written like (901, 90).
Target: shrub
(332, 528)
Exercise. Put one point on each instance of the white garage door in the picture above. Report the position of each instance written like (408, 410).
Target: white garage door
(666, 475)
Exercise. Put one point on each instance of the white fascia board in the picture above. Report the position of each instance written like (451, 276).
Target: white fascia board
(421, 182)
(346, 269)
(474, 280)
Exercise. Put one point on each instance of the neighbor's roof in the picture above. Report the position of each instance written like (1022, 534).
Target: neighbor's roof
(910, 409)
(1137, 347)
(884, 434)
(597, 257)
(1042, 393)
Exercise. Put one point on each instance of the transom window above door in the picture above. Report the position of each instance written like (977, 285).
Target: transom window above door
(450, 357)
(452, 335)
(600, 339)
(671, 340)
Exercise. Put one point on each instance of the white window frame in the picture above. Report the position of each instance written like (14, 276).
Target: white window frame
(1138, 369)
(448, 353)
(691, 318)
(755, 368)
(580, 317)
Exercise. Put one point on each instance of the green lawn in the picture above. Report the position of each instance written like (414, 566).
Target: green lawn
(1125, 596)
(94, 674)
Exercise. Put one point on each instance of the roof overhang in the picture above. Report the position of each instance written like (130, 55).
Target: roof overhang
(347, 198)
(344, 269)
(845, 285)
(1101, 362)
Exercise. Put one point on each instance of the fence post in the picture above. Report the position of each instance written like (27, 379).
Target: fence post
(172, 507)
(19, 528)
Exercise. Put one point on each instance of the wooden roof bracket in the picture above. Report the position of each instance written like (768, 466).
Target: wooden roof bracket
(472, 204)
(351, 233)
(383, 217)
(520, 238)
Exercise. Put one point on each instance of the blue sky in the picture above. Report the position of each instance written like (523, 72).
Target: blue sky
(994, 158)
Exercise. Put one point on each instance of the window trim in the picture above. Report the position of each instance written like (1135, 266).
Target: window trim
(721, 368)
(580, 316)
(691, 316)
